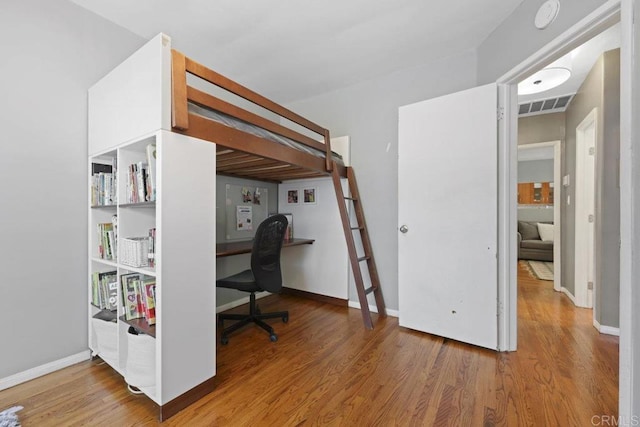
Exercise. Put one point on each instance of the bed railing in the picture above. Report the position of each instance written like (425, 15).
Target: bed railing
(183, 94)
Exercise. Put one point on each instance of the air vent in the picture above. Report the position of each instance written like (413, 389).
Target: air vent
(545, 106)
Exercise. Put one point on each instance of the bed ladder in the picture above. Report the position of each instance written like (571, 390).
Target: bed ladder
(355, 259)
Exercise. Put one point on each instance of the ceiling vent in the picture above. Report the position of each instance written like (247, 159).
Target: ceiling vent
(545, 106)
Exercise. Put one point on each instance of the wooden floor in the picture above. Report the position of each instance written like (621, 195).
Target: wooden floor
(326, 369)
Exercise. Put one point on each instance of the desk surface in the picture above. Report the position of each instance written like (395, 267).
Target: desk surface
(245, 246)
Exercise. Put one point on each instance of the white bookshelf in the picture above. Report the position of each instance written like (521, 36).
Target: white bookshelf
(183, 214)
(129, 109)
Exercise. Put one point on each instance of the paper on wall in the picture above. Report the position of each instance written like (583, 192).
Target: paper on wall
(244, 218)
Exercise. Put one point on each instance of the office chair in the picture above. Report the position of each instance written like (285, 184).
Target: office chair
(264, 275)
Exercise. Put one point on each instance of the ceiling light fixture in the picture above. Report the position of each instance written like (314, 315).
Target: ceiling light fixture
(543, 80)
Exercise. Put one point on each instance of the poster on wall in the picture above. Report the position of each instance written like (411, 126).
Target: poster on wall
(292, 197)
(244, 218)
(309, 196)
(257, 198)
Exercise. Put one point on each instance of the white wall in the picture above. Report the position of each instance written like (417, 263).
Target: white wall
(516, 38)
(226, 266)
(320, 268)
(368, 113)
(535, 170)
(52, 52)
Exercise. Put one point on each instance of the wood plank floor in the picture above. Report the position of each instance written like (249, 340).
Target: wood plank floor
(326, 369)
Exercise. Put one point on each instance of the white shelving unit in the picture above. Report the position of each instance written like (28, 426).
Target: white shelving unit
(182, 353)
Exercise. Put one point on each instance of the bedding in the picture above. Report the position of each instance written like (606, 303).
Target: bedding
(235, 123)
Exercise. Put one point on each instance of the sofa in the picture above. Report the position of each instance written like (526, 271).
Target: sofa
(530, 243)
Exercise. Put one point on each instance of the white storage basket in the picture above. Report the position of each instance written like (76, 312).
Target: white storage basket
(134, 251)
(106, 340)
(141, 362)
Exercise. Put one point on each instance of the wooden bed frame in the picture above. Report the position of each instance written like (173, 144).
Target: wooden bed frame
(245, 155)
(240, 153)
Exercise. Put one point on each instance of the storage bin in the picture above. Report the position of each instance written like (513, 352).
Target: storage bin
(105, 340)
(141, 361)
(134, 251)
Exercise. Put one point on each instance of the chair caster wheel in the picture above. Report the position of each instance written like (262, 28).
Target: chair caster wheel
(224, 340)
(273, 337)
(258, 311)
(285, 319)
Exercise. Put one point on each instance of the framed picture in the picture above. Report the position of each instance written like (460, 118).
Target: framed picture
(292, 197)
(309, 196)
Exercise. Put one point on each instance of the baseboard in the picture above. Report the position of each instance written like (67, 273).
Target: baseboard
(238, 302)
(567, 293)
(315, 297)
(45, 369)
(185, 399)
(374, 309)
(607, 330)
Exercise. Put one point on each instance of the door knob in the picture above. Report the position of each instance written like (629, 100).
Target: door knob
(404, 229)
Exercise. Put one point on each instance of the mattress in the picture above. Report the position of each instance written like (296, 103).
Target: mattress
(249, 128)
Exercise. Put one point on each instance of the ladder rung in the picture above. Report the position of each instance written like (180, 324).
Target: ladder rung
(357, 228)
(350, 198)
(364, 258)
(369, 290)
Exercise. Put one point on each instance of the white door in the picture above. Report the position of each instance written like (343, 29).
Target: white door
(447, 208)
(584, 275)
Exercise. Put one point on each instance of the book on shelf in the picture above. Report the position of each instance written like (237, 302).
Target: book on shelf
(104, 290)
(141, 173)
(103, 184)
(149, 289)
(138, 294)
(111, 293)
(151, 161)
(140, 183)
(107, 243)
(151, 254)
(114, 224)
(130, 296)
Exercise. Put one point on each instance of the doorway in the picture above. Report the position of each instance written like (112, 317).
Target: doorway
(537, 157)
(591, 94)
(585, 241)
(602, 18)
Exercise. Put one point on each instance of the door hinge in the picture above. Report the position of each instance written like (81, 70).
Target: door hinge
(592, 151)
(592, 218)
(590, 286)
(500, 113)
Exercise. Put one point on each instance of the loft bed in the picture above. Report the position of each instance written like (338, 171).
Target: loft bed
(157, 91)
(252, 146)
(248, 145)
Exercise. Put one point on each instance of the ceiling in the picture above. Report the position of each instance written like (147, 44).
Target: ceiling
(580, 61)
(295, 49)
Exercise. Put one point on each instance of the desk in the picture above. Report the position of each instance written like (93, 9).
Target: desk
(245, 246)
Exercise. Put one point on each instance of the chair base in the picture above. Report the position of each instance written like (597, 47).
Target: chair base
(254, 316)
